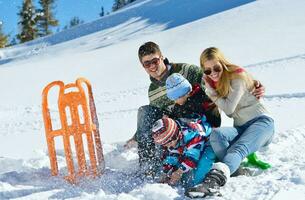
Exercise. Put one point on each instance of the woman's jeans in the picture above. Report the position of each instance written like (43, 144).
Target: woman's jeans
(232, 144)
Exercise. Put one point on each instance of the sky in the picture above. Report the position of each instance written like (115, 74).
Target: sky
(86, 10)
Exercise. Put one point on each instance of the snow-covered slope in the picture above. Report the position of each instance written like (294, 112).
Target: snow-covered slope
(265, 36)
(140, 18)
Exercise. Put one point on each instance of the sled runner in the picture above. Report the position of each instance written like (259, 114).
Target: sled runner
(78, 118)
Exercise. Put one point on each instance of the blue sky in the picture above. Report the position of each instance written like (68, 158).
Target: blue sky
(86, 10)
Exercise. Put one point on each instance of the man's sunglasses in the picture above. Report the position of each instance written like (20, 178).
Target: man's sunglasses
(216, 68)
(154, 61)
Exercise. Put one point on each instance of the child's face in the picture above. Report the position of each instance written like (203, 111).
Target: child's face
(181, 101)
(172, 143)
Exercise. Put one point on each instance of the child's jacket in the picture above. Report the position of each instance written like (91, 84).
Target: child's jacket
(190, 146)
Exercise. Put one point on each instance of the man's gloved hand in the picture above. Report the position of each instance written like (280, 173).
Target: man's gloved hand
(259, 89)
(131, 142)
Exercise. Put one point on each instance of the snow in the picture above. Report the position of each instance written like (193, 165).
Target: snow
(267, 37)
(1, 55)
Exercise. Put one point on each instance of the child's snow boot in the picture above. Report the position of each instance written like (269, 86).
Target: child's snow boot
(216, 178)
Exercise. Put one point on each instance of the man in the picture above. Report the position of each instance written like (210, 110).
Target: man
(158, 68)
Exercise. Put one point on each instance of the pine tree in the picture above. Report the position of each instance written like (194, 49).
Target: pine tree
(45, 17)
(13, 42)
(27, 22)
(118, 4)
(102, 13)
(75, 21)
(3, 37)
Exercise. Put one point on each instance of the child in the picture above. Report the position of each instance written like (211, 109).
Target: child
(188, 154)
(190, 100)
(180, 90)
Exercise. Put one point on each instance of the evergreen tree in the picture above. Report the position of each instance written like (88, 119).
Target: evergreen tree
(13, 42)
(45, 17)
(102, 13)
(130, 1)
(75, 21)
(27, 22)
(118, 4)
(3, 37)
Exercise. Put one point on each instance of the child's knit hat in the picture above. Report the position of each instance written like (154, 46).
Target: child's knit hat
(177, 86)
(164, 130)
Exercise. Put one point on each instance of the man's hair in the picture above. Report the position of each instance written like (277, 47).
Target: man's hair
(147, 49)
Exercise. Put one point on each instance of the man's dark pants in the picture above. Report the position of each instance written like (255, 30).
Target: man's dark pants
(149, 153)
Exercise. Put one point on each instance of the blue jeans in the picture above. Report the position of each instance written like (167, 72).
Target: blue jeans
(232, 144)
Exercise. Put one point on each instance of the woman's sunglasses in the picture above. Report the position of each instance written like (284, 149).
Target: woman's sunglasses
(216, 68)
(154, 61)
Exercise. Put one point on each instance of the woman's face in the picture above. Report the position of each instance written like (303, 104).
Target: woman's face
(213, 69)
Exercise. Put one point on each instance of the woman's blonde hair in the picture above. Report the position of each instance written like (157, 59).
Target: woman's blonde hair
(230, 71)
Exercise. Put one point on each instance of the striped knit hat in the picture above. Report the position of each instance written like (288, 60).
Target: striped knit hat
(163, 130)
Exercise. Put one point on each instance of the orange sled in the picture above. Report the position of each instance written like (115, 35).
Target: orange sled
(77, 118)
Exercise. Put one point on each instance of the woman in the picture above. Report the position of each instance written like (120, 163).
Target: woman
(230, 87)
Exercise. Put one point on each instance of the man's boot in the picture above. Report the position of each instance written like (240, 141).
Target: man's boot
(242, 171)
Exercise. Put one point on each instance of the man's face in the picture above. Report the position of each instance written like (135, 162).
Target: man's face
(154, 65)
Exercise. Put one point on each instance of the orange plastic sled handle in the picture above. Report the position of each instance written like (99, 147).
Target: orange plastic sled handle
(78, 108)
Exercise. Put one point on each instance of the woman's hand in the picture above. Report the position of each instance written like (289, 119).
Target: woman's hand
(209, 87)
(206, 80)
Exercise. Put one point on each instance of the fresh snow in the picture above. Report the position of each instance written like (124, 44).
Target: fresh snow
(267, 37)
